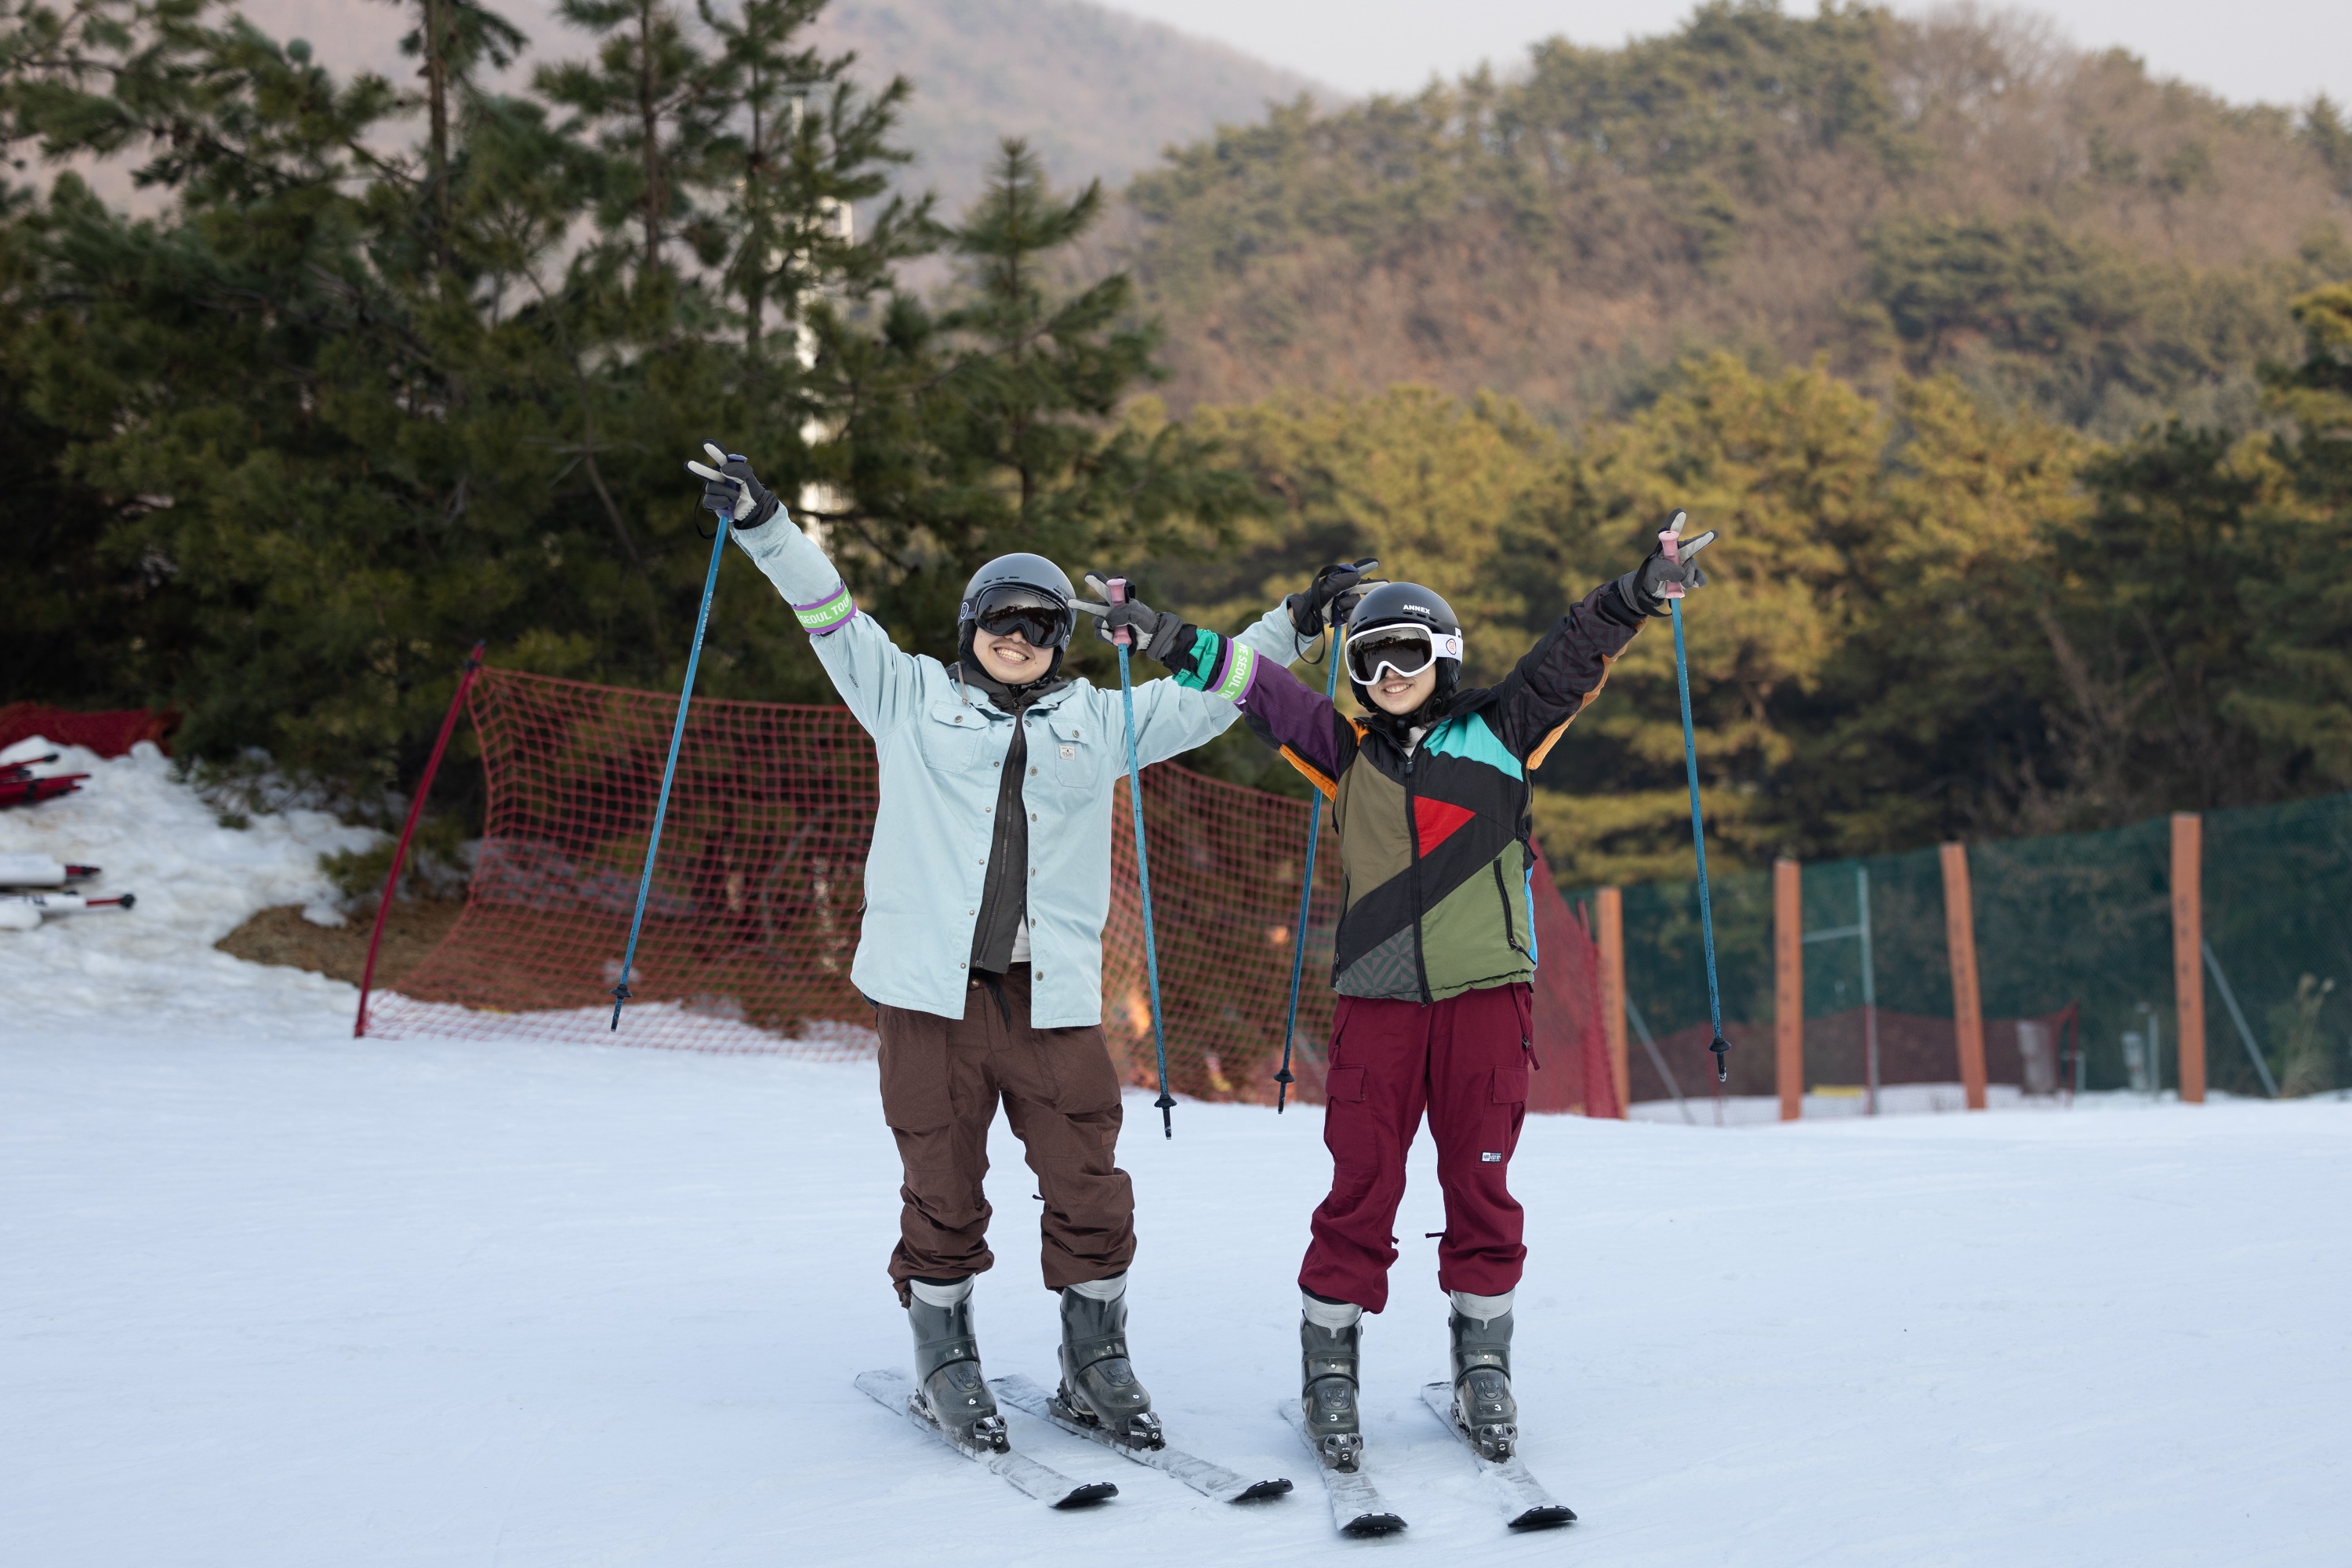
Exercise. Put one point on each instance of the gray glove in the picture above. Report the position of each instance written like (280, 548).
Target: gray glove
(1644, 588)
(1155, 631)
(732, 488)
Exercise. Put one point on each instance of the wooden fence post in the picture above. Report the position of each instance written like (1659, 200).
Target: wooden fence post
(1788, 986)
(1611, 912)
(2188, 950)
(1960, 943)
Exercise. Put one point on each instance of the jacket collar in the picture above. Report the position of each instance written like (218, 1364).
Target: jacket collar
(1006, 699)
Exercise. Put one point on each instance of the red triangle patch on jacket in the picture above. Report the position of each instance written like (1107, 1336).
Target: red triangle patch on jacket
(1433, 821)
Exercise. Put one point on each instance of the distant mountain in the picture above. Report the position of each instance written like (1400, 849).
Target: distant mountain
(1901, 195)
(1097, 92)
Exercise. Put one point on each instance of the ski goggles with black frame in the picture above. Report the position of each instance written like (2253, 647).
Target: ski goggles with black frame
(1041, 619)
(1402, 650)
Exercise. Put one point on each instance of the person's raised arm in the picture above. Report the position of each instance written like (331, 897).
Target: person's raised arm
(876, 679)
(1567, 667)
(1211, 672)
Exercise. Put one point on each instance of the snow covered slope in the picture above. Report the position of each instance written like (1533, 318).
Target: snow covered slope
(270, 1296)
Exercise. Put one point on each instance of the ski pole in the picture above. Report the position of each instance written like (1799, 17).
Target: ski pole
(1670, 542)
(1283, 1080)
(1116, 592)
(669, 769)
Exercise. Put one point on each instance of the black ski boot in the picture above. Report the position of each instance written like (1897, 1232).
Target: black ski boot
(1482, 1406)
(1328, 1359)
(949, 1388)
(1098, 1386)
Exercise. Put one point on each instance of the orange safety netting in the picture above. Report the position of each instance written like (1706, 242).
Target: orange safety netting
(754, 912)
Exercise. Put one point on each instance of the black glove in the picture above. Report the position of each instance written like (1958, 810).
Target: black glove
(1155, 630)
(1643, 588)
(1333, 591)
(732, 488)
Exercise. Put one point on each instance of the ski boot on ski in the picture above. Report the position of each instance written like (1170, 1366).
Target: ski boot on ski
(1482, 1406)
(1098, 1386)
(1329, 1360)
(949, 1391)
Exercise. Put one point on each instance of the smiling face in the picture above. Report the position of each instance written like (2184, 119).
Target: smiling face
(1402, 694)
(1009, 659)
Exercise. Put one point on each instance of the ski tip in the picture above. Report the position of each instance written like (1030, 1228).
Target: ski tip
(1550, 1517)
(1368, 1524)
(1089, 1494)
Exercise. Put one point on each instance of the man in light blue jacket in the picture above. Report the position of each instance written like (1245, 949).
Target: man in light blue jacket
(986, 892)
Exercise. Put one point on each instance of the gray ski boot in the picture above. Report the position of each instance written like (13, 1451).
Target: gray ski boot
(1482, 1406)
(949, 1387)
(1329, 1362)
(1098, 1386)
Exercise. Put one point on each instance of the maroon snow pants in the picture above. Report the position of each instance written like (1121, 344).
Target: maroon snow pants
(1463, 1060)
(942, 1081)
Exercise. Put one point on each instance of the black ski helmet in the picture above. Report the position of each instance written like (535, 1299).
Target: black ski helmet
(1408, 603)
(1020, 578)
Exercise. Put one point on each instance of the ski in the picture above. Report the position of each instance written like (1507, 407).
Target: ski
(1210, 1480)
(1357, 1505)
(894, 1390)
(1525, 1502)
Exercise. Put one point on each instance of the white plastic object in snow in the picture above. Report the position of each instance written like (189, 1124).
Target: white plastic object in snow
(19, 916)
(39, 871)
(63, 903)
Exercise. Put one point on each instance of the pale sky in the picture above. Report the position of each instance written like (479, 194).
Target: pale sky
(2277, 51)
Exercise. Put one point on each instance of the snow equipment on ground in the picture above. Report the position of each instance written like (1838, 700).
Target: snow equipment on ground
(20, 787)
(1115, 591)
(1047, 1485)
(65, 903)
(40, 871)
(1098, 1387)
(473, 667)
(1526, 1505)
(1670, 542)
(1357, 1505)
(677, 731)
(949, 1391)
(1329, 1359)
(1482, 1406)
(1332, 656)
(1213, 1481)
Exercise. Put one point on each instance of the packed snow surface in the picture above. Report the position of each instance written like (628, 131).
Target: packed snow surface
(270, 1295)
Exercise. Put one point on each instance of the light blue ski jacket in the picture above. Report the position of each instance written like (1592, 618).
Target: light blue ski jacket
(942, 747)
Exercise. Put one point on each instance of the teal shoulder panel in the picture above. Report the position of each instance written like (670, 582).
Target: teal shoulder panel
(1470, 738)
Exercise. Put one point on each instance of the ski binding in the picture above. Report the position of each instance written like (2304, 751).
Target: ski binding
(1357, 1505)
(896, 1391)
(1526, 1504)
(1210, 1480)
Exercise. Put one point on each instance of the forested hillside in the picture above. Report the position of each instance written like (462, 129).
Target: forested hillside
(2057, 229)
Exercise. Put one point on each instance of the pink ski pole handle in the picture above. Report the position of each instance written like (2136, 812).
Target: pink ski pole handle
(1115, 590)
(1670, 544)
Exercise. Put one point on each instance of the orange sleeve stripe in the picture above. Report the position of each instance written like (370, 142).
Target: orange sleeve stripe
(1312, 774)
(1536, 758)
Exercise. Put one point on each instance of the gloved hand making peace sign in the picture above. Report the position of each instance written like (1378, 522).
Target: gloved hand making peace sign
(731, 488)
(1644, 588)
(1155, 630)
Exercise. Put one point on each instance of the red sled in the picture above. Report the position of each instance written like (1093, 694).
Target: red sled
(19, 788)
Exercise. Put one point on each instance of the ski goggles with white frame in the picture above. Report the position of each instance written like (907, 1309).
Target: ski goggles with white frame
(1403, 650)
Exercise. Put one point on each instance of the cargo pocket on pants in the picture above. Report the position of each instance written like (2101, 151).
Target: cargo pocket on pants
(1507, 1110)
(912, 1059)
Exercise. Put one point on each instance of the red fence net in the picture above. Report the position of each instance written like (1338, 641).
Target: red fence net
(754, 912)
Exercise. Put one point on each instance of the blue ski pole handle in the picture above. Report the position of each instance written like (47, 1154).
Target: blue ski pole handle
(669, 769)
(1283, 1080)
(1116, 592)
(1670, 543)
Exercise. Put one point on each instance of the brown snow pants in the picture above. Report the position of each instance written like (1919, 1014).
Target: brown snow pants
(941, 1081)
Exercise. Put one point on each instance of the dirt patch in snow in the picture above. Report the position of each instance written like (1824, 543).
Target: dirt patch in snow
(282, 936)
